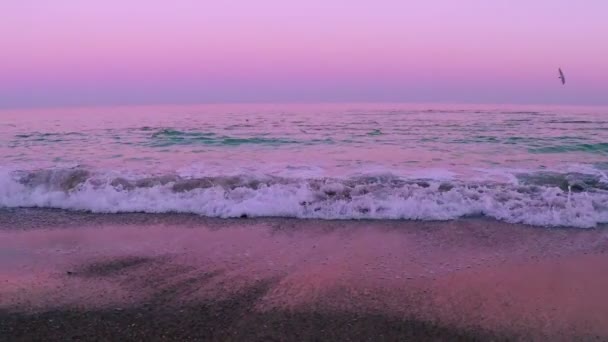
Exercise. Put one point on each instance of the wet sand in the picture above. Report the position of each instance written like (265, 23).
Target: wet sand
(165, 277)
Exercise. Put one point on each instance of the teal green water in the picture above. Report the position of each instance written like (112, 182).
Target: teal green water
(340, 139)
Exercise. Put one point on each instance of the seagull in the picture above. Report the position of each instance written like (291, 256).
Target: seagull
(561, 76)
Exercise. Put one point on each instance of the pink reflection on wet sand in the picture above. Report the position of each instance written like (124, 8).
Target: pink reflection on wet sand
(468, 273)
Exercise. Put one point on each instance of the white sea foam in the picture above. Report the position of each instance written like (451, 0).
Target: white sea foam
(384, 197)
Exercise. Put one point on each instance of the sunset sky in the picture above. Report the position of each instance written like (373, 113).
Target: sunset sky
(74, 52)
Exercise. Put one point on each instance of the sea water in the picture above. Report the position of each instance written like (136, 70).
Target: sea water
(538, 165)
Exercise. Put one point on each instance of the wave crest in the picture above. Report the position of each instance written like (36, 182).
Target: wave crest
(544, 199)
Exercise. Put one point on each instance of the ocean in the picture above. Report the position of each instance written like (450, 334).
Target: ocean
(537, 165)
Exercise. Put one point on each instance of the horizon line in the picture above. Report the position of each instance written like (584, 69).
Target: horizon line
(312, 103)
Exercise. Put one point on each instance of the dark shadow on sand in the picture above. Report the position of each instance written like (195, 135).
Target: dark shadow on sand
(111, 267)
(233, 319)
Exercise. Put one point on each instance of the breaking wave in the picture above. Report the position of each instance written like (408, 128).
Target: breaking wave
(171, 137)
(541, 198)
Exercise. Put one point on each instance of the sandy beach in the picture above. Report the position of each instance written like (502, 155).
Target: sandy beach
(166, 277)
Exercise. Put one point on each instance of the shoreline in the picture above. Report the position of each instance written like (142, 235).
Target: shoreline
(134, 276)
(22, 218)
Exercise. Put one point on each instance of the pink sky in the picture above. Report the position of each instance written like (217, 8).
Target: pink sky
(73, 52)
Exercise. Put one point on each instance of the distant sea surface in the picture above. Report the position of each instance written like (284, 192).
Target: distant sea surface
(537, 165)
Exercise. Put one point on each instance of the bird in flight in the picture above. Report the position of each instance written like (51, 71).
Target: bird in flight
(561, 76)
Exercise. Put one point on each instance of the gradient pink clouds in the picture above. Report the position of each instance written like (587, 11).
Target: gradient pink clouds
(136, 51)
